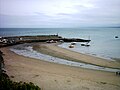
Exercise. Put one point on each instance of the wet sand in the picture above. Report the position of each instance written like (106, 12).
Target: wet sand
(51, 76)
(54, 50)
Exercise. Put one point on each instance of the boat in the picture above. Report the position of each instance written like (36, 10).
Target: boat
(71, 46)
(116, 36)
(85, 44)
(82, 44)
(73, 43)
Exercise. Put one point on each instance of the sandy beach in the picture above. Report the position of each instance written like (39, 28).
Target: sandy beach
(51, 76)
(54, 50)
(60, 44)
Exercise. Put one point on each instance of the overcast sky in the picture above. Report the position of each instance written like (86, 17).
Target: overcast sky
(59, 13)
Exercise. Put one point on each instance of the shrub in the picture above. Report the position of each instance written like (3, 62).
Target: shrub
(7, 84)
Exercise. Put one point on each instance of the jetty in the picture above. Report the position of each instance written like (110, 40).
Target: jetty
(13, 40)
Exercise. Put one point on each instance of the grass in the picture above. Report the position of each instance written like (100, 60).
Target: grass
(7, 84)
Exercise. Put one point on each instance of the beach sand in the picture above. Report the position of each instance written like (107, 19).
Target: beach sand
(51, 76)
(54, 50)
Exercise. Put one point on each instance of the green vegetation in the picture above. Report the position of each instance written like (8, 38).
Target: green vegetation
(1, 62)
(7, 84)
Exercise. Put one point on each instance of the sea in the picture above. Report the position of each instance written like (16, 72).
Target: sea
(103, 42)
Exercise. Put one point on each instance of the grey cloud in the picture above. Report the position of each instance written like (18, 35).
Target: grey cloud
(103, 12)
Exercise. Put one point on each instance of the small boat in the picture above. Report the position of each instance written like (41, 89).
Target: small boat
(85, 44)
(51, 41)
(71, 46)
(73, 43)
(61, 41)
(116, 36)
(82, 44)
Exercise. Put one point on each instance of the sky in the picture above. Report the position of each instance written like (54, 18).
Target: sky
(59, 13)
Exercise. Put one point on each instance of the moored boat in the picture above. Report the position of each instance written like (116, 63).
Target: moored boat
(71, 46)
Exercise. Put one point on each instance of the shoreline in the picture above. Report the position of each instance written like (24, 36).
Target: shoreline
(56, 51)
(28, 51)
(51, 76)
(90, 53)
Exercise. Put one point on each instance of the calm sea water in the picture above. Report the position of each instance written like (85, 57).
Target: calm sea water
(103, 44)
